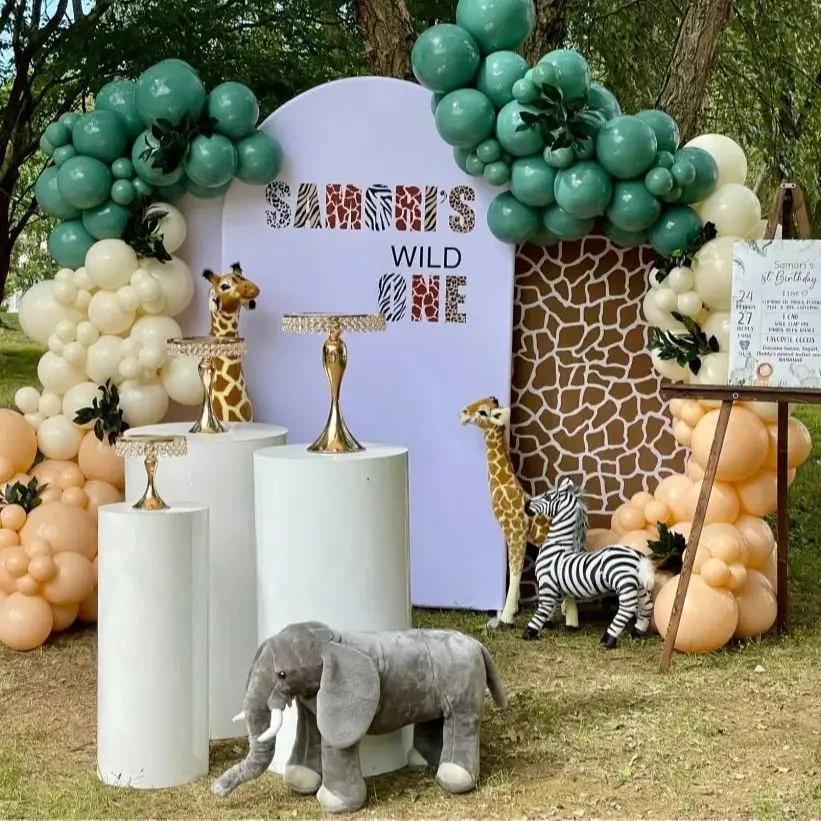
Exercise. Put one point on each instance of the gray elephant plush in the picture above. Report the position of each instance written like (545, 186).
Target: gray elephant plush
(347, 684)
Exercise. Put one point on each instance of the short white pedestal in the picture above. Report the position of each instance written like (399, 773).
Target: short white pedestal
(218, 472)
(152, 646)
(332, 546)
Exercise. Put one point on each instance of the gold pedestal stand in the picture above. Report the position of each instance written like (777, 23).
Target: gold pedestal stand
(151, 449)
(335, 437)
(208, 349)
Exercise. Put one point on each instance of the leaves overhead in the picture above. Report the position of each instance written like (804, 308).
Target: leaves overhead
(685, 348)
(25, 495)
(106, 414)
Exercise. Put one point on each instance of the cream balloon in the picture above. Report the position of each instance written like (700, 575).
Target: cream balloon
(715, 368)
(733, 209)
(689, 304)
(27, 400)
(130, 368)
(127, 298)
(153, 308)
(105, 312)
(171, 228)
(39, 312)
(54, 345)
(65, 292)
(130, 347)
(35, 419)
(728, 155)
(143, 402)
(64, 275)
(50, 404)
(110, 263)
(103, 359)
(80, 396)
(66, 330)
(718, 325)
(714, 281)
(669, 368)
(147, 289)
(180, 378)
(87, 333)
(759, 232)
(57, 375)
(767, 411)
(82, 280)
(152, 356)
(82, 301)
(659, 319)
(176, 283)
(680, 280)
(155, 329)
(665, 299)
(59, 438)
(75, 353)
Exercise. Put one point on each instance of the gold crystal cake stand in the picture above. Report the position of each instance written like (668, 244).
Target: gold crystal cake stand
(151, 449)
(335, 436)
(208, 349)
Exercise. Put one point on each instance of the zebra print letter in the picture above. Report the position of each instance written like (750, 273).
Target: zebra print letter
(431, 203)
(378, 208)
(393, 297)
(307, 207)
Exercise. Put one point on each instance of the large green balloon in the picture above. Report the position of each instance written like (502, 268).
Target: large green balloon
(169, 90)
(444, 58)
(123, 192)
(46, 147)
(50, 199)
(497, 74)
(63, 153)
(541, 236)
(259, 158)
(706, 180)
(84, 182)
(570, 72)
(510, 220)
(107, 221)
(465, 117)
(633, 207)
(58, 134)
(532, 181)
(119, 96)
(626, 239)
(206, 193)
(497, 25)
(603, 100)
(583, 190)
(565, 226)
(68, 244)
(435, 99)
(678, 227)
(664, 127)
(235, 108)
(211, 161)
(100, 134)
(519, 143)
(144, 169)
(626, 146)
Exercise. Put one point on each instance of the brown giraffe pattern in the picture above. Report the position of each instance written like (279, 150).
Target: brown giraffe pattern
(463, 218)
(408, 208)
(425, 298)
(455, 298)
(343, 207)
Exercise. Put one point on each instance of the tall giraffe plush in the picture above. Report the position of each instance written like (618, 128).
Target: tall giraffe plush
(230, 293)
(508, 499)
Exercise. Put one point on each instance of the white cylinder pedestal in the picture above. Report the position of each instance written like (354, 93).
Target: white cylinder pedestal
(219, 472)
(332, 546)
(152, 646)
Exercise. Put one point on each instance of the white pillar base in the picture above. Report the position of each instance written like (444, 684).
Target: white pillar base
(332, 546)
(152, 646)
(219, 472)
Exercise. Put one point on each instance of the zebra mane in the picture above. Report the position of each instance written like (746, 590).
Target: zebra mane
(581, 522)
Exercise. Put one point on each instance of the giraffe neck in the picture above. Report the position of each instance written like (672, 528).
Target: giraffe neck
(500, 468)
(224, 324)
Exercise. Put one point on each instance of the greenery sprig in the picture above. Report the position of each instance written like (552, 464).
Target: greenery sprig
(143, 234)
(172, 141)
(683, 258)
(106, 414)
(687, 349)
(668, 549)
(25, 495)
(563, 123)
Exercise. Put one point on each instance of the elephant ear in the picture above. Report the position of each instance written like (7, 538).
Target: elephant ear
(348, 695)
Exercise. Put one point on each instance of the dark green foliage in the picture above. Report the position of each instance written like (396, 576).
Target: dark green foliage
(25, 495)
(106, 414)
(563, 123)
(142, 233)
(687, 348)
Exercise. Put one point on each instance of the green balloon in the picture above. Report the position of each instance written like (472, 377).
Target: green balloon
(84, 182)
(664, 127)
(143, 188)
(497, 75)
(169, 90)
(259, 158)
(559, 157)
(673, 195)
(474, 166)
(489, 150)
(683, 173)
(123, 192)
(658, 181)
(497, 173)
(119, 97)
(235, 108)
(58, 134)
(122, 169)
(664, 159)
(68, 244)
(626, 147)
(525, 91)
(570, 73)
(541, 236)
(211, 161)
(678, 227)
(626, 239)
(206, 193)
(435, 99)
(566, 226)
(633, 207)
(46, 147)
(145, 169)
(50, 199)
(603, 100)
(583, 190)
(518, 143)
(497, 25)
(170, 193)
(107, 221)
(444, 58)
(585, 150)
(510, 220)
(63, 153)
(69, 119)
(706, 180)
(100, 134)
(532, 181)
(461, 156)
(465, 117)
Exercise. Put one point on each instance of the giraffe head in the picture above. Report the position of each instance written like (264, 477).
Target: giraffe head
(485, 414)
(231, 292)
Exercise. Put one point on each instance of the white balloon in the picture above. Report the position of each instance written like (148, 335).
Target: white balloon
(40, 312)
(103, 359)
(715, 370)
(718, 325)
(689, 304)
(50, 404)
(147, 289)
(82, 301)
(159, 329)
(176, 283)
(130, 368)
(728, 154)
(130, 347)
(172, 226)
(87, 333)
(27, 400)
(721, 247)
(157, 306)
(760, 231)
(665, 299)
(65, 292)
(680, 280)
(57, 375)
(66, 330)
(180, 377)
(59, 438)
(79, 397)
(75, 352)
(105, 312)
(714, 281)
(766, 411)
(733, 209)
(55, 345)
(34, 419)
(127, 298)
(658, 318)
(139, 275)
(152, 356)
(82, 280)
(110, 263)
(64, 275)
(669, 368)
(143, 402)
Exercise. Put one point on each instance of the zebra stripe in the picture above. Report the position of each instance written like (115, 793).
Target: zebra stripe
(393, 297)
(378, 207)
(307, 207)
(431, 202)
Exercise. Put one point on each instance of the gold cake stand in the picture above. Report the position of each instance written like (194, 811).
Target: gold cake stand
(208, 349)
(151, 449)
(335, 436)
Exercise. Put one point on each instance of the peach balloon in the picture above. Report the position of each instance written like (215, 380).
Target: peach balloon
(16, 562)
(641, 499)
(64, 616)
(48, 471)
(683, 528)
(673, 492)
(27, 586)
(744, 449)
(75, 496)
(99, 461)
(101, 493)
(18, 441)
(70, 476)
(725, 542)
(757, 606)
(758, 495)
(716, 573)
(25, 621)
(65, 527)
(682, 433)
(20, 478)
(42, 568)
(655, 512)
(637, 539)
(50, 495)
(12, 517)
(88, 608)
(799, 444)
(37, 547)
(6, 469)
(766, 411)
(759, 538)
(708, 619)
(722, 506)
(8, 538)
(691, 412)
(626, 518)
(694, 470)
(74, 579)
(8, 583)
(676, 406)
(770, 569)
(738, 577)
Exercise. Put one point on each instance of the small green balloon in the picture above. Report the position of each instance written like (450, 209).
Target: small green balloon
(489, 150)
(119, 96)
(664, 127)
(525, 91)
(518, 143)
(565, 226)
(498, 73)
(541, 236)
(84, 182)
(465, 117)
(475, 167)
(259, 158)
(603, 100)
(683, 173)
(445, 57)
(706, 179)
(658, 181)
(206, 193)
(143, 188)
(122, 169)
(673, 195)
(211, 161)
(123, 192)
(235, 108)
(497, 173)
(532, 181)
(559, 157)
(69, 119)
(544, 74)
(633, 208)
(46, 147)
(107, 221)
(169, 90)
(170, 193)
(63, 153)
(678, 227)
(497, 25)
(664, 159)
(625, 239)
(58, 134)
(100, 134)
(510, 220)
(435, 99)
(68, 244)
(583, 190)
(571, 73)
(626, 147)
(145, 168)
(461, 156)
(49, 197)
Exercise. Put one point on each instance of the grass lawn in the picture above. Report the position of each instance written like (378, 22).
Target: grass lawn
(587, 733)
(18, 360)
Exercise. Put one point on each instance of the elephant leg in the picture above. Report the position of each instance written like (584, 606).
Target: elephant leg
(343, 788)
(303, 772)
(459, 767)
(427, 743)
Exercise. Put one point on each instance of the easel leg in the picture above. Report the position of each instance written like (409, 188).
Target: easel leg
(695, 534)
(783, 520)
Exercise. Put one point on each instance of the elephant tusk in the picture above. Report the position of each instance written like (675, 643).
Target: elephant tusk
(273, 729)
(239, 716)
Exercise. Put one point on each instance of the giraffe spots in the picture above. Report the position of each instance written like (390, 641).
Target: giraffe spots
(454, 298)
(343, 207)
(407, 208)
(424, 298)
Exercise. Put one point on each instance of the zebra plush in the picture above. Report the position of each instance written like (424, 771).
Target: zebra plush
(565, 568)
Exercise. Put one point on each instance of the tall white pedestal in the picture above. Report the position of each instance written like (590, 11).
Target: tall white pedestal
(152, 646)
(332, 546)
(219, 472)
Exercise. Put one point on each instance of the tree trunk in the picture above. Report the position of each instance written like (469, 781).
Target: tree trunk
(692, 62)
(386, 29)
(550, 29)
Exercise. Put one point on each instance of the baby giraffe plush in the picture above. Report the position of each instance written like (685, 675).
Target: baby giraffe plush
(345, 685)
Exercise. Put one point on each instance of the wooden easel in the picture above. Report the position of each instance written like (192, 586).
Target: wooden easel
(788, 203)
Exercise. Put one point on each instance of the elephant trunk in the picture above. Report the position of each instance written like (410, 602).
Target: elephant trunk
(261, 748)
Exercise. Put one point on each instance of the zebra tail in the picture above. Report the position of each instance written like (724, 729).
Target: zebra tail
(494, 681)
(647, 574)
